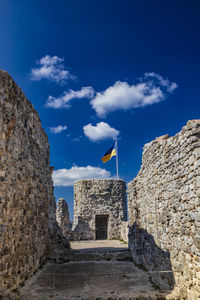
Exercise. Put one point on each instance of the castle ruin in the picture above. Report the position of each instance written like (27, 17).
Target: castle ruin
(163, 202)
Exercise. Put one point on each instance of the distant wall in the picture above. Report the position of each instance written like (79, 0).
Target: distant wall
(164, 210)
(99, 197)
(28, 226)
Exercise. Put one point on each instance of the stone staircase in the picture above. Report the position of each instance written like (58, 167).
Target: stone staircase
(91, 273)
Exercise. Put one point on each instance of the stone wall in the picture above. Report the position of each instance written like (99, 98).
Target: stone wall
(95, 197)
(28, 226)
(164, 211)
(62, 216)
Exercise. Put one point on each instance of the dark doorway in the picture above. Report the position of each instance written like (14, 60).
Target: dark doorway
(101, 227)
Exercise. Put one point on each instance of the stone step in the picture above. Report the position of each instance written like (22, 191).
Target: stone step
(90, 280)
(82, 255)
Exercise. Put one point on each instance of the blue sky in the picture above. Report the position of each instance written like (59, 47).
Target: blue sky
(95, 70)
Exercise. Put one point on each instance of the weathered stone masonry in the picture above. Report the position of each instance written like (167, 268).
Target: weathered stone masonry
(164, 210)
(97, 197)
(27, 208)
(62, 216)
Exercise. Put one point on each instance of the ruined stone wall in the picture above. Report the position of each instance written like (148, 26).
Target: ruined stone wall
(27, 207)
(124, 231)
(62, 216)
(99, 197)
(164, 211)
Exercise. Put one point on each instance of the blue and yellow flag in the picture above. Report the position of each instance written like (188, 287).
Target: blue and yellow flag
(109, 154)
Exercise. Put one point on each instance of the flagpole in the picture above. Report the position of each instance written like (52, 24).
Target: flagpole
(117, 159)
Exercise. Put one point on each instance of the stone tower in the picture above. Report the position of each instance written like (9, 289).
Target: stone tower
(100, 208)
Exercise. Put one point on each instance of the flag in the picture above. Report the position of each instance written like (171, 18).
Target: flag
(109, 154)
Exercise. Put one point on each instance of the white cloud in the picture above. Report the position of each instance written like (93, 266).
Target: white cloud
(100, 132)
(171, 86)
(51, 68)
(124, 96)
(58, 129)
(63, 101)
(66, 177)
(77, 139)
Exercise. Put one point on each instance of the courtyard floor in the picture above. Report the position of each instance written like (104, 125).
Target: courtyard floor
(99, 245)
